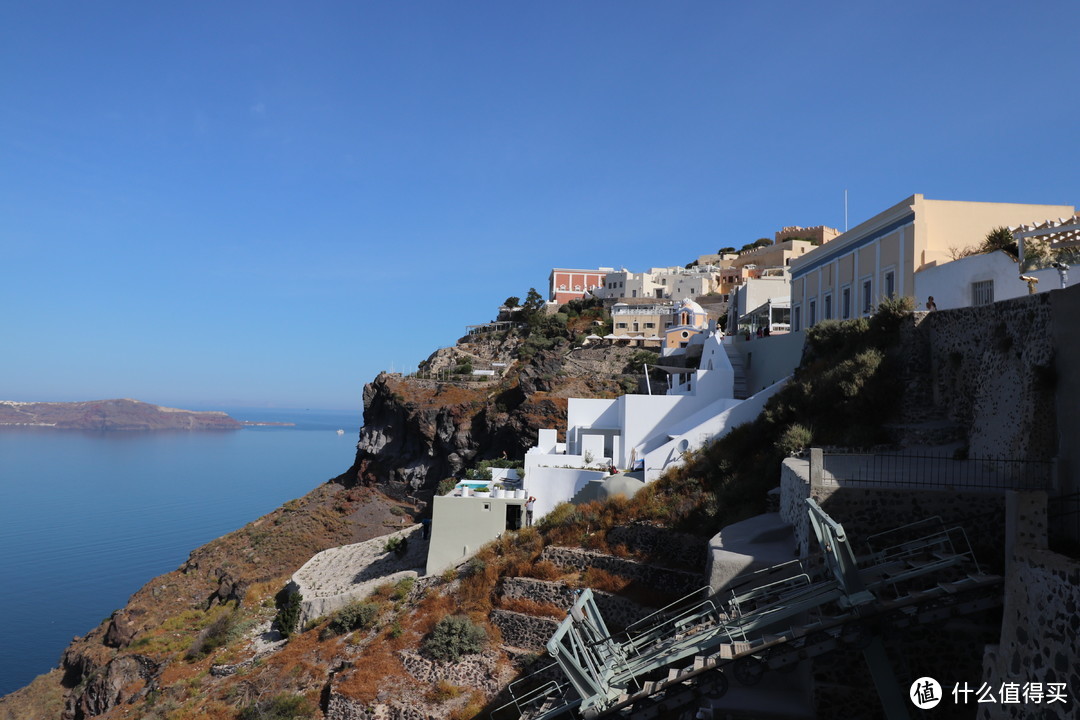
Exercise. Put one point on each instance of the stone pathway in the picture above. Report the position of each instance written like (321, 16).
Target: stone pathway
(333, 578)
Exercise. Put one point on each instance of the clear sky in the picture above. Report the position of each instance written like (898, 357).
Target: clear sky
(266, 203)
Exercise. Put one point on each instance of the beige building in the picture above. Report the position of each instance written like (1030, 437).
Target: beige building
(877, 259)
(661, 283)
(648, 319)
(779, 254)
(817, 235)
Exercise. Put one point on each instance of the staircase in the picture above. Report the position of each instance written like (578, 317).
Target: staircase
(740, 390)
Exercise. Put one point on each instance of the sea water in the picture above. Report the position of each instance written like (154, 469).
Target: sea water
(87, 518)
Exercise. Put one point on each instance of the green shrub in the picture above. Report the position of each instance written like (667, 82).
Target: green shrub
(225, 629)
(284, 706)
(454, 636)
(354, 616)
(398, 510)
(392, 544)
(794, 440)
(446, 485)
(288, 605)
(403, 587)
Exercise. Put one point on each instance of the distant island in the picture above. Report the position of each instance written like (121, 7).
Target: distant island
(121, 414)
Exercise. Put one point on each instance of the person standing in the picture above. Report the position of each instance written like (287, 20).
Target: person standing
(930, 304)
(529, 506)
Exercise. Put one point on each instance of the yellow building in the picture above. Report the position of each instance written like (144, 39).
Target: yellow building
(876, 259)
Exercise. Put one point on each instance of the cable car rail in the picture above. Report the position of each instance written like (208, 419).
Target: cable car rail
(771, 619)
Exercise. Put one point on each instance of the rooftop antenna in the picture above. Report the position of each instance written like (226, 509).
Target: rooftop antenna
(845, 210)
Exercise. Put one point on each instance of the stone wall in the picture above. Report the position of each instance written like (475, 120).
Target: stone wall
(689, 550)
(675, 582)
(867, 511)
(794, 489)
(618, 611)
(524, 631)
(991, 369)
(1041, 619)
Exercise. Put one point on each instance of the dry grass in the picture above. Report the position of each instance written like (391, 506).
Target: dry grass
(443, 692)
(543, 570)
(531, 607)
(471, 709)
(603, 580)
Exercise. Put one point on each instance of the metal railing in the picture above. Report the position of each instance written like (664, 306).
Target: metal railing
(936, 472)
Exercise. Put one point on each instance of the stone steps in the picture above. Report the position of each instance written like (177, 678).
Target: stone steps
(335, 577)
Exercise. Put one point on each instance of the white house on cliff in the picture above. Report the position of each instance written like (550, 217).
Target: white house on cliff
(644, 433)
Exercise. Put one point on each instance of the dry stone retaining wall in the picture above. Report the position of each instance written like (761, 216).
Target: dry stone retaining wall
(524, 631)
(675, 582)
(618, 612)
(691, 550)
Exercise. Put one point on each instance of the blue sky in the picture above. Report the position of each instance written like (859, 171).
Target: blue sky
(209, 204)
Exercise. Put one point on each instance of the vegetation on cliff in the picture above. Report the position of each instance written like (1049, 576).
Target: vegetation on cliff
(185, 645)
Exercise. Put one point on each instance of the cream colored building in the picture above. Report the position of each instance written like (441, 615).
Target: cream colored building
(661, 283)
(647, 319)
(779, 254)
(878, 258)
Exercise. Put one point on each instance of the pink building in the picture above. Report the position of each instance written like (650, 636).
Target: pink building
(565, 285)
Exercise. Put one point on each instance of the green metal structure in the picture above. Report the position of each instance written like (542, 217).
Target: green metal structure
(770, 619)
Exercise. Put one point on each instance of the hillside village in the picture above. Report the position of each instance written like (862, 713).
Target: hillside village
(744, 431)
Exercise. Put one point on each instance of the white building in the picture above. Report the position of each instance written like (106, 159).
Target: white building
(772, 289)
(660, 283)
(981, 280)
(647, 432)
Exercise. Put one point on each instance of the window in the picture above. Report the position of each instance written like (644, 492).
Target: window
(621, 326)
(650, 325)
(982, 292)
(797, 325)
(845, 303)
(867, 298)
(890, 284)
(828, 307)
(812, 314)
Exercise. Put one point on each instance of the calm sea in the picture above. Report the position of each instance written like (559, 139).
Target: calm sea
(87, 518)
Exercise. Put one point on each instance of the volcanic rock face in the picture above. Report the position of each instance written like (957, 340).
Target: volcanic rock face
(419, 431)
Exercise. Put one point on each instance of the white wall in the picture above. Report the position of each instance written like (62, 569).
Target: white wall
(716, 421)
(551, 486)
(950, 283)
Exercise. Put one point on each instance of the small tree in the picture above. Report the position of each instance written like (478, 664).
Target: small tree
(288, 614)
(512, 302)
(1000, 238)
(534, 300)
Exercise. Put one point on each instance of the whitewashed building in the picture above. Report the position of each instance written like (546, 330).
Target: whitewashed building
(649, 433)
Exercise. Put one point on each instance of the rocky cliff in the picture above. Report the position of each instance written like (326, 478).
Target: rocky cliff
(147, 658)
(420, 430)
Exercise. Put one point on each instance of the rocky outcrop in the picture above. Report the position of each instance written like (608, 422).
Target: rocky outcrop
(117, 682)
(419, 431)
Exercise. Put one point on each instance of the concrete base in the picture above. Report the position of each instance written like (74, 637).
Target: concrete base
(747, 546)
